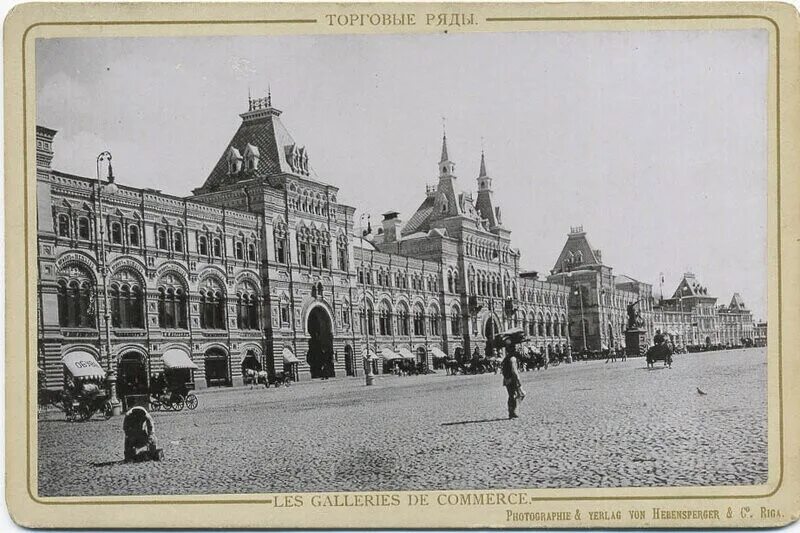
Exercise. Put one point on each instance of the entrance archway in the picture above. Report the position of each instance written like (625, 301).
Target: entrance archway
(320, 344)
(217, 374)
(132, 374)
(349, 361)
(489, 331)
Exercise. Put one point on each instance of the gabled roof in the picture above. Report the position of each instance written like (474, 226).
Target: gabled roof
(576, 252)
(689, 286)
(737, 302)
(269, 139)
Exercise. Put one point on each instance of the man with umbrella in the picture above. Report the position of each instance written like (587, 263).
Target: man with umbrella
(511, 380)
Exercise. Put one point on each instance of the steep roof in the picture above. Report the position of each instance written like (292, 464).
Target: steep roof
(577, 252)
(689, 286)
(737, 302)
(269, 140)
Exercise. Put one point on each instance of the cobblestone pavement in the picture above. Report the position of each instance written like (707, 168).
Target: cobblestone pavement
(588, 424)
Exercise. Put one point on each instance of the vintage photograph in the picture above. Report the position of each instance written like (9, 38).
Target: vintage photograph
(348, 263)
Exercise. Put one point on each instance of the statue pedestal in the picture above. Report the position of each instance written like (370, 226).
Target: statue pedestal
(635, 342)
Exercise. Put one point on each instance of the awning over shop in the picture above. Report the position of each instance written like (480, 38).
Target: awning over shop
(178, 359)
(437, 353)
(83, 365)
(389, 355)
(369, 354)
(289, 357)
(406, 353)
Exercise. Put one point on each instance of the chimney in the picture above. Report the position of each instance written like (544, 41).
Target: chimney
(391, 226)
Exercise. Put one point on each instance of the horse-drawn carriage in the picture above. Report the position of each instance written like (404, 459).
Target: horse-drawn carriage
(660, 351)
(171, 395)
(84, 393)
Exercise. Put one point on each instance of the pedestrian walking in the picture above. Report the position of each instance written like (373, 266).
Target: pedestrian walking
(512, 382)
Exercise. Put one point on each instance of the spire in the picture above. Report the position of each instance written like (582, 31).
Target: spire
(444, 143)
(483, 166)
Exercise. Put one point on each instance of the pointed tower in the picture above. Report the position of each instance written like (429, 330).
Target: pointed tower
(446, 167)
(485, 202)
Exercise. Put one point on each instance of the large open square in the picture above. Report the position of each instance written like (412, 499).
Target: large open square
(586, 424)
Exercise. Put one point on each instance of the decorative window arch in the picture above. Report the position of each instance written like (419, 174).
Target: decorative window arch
(133, 235)
(434, 318)
(116, 233)
(279, 233)
(63, 225)
(172, 302)
(212, 304)
(76, 296)
(161, 239)
(419, 321)
(126, 299)
(247, 306)
(202, 245)
(455, 321)
(540, 325)
(368, 318)
(251, 252)
(177, 241)
(384, 319)
(216, 247)
(238, 249)
(402, 319)
(83, 228)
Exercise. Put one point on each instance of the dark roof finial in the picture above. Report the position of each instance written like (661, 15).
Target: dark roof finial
(444, 142)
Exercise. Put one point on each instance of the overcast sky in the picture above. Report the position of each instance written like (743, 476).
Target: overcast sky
(655, 142)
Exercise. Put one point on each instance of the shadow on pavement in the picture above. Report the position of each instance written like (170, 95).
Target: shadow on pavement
(473, 421)
(108, 463)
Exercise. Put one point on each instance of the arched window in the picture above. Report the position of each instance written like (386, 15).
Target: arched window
(76, 308)
(133, 235)
(171, 303)
(127, 304)
(279, 234)
(419, 322)
(540, 325)
(247, 307)
(384, 319)
(342, 252)
(368, 320)
(202, 245)
(239, 250)
(549, 326)
(83, 228)
(402, 320)
(177, 241)
(116, 233)
(217, 247)
(450, 282)
(251, 252)
(455, 282)
(63, 226)
(434, 318)
(212, 305)
(455, 322)
(162, 239)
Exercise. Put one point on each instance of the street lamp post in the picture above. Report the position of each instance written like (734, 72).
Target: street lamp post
(369, 377)
(110, 188)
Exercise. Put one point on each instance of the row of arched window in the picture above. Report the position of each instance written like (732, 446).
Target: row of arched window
(406, 323)
(383, 278)
(545, 326)
(76, 302)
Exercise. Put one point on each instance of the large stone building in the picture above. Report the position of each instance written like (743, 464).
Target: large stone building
(598, 299)
(691, 317)
(262, 267)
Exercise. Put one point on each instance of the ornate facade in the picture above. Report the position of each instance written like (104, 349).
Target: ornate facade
(262, 263)
(263, 267)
